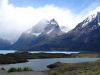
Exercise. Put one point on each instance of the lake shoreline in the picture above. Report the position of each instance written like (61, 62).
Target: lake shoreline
(85, 68)
(41, 64)
(22, 57)
(60, 68)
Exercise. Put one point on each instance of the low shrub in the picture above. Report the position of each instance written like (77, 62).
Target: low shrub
(27, 69)
(12, 70)
(2, 68)
(19, 69)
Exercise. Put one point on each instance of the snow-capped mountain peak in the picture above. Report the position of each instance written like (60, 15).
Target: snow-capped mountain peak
(49, 31)
(88, 20)
(52, 28)
(53, 22)
(92, 18)
(44, 27)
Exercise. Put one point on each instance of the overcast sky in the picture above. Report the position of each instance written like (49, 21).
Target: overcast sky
(16, 16)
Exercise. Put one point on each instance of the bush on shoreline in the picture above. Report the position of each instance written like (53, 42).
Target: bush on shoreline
(2, 68)
(19, 69)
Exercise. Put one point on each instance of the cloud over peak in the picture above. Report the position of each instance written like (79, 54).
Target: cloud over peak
(15, 20)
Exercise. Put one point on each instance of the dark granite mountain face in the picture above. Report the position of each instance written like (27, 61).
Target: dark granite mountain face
(47, 36)
(84, 37)
(4, 44)
(42, 32)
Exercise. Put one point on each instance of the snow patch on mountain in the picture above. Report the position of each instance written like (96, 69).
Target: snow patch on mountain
(50, 31)
(44, 27)
(36, 34)
(88, 20)
(53, 22)
(98, 18)
(29, 31)
(32, 33)
(91, 18)
(98, 23)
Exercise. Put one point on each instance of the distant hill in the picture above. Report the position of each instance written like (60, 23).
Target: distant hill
(4, 44)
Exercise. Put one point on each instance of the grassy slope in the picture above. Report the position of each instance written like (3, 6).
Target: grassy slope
(87, 68)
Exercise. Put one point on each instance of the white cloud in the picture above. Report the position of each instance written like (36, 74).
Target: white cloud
(97, 9)
(15, 20)
(90, 10)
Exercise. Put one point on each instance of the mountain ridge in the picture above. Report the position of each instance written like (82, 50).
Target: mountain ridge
(4, 44)
(48, 36)
(50, 30)
(78, 39)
